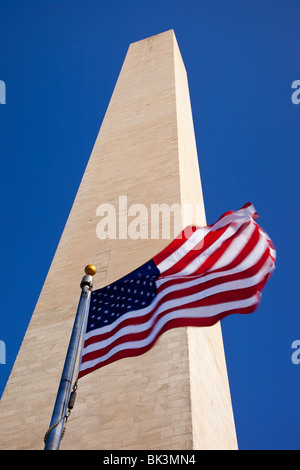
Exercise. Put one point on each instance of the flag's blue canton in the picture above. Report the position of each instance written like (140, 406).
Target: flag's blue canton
(132, 292)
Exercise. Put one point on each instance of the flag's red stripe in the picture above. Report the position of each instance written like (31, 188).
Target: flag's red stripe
(223, 276)
(187, 232)
(242, 255)
(178, 294)
(215, 299)
(175, 244)
(211, 259)
(185, 235)
(218, 253)
(202, 246)
(174, 323)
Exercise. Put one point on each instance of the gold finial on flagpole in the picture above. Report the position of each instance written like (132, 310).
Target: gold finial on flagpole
(90, 270)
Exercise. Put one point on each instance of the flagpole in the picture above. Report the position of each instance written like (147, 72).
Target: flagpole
(54, 434)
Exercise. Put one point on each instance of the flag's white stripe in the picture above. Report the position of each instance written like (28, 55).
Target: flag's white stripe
(239, 217)
(229, 255)
(242, 214)
(199, 260)
(187, 246)
(272, 249)
(181, 307)
(203, 312)
(182, 301)
(250, 260)
(253, 258)
(235, 247)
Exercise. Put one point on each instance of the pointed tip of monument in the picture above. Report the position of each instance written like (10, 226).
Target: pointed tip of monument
(163, 33)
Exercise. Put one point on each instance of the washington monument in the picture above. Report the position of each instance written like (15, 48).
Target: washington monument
(175, 396)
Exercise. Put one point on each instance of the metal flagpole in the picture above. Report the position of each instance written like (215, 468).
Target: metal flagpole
(54, 434)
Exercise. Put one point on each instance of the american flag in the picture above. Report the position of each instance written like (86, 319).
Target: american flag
(202, 276)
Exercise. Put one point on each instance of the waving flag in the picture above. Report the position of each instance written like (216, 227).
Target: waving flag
(202, 276)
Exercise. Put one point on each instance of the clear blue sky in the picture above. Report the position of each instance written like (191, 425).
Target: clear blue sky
(60, 60)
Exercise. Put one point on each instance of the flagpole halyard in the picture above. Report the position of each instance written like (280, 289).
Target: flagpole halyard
(54, 434)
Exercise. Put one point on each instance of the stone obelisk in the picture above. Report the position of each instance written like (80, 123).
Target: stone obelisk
(176, 396)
